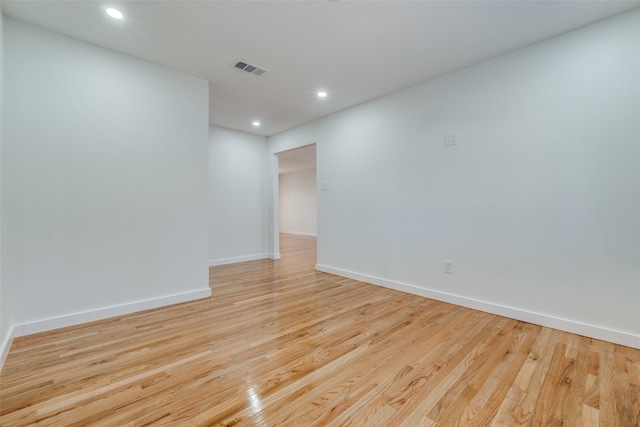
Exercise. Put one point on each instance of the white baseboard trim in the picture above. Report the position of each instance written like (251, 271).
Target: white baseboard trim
(593, 331)
(5, 346)
(233, 260)
(275, 256)
(300, 233)
(104, 313)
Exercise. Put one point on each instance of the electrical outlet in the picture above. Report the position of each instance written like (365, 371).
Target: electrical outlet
(450, 139)
(448, 267)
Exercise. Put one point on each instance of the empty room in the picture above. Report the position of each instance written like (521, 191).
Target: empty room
(320, 213)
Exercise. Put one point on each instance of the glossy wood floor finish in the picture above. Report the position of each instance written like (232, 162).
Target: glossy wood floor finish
(280, 344)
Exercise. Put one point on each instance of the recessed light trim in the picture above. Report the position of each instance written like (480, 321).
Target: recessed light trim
(256, 123)
(322, 94)
(114, 13)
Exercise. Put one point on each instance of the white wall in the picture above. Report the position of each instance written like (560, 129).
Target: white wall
(4, 306)
(298, 202)
(539, 204)
(104, 181)
(237, 196)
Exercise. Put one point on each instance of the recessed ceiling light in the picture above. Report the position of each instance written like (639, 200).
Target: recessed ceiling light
(322, 94)
(256, 124)
(114, 13)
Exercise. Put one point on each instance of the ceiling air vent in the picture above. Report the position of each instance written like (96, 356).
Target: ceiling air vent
(249, 68)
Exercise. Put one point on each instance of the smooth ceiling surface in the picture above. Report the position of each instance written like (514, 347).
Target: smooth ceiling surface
(298, 159)
(355, 50)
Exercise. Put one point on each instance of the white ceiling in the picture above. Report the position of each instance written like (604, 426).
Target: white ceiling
(356, 50)
(298, 159)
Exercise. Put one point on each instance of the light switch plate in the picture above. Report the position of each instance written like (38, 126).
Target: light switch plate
(450, 139)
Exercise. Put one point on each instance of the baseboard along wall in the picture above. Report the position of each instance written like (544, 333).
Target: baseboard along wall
(233, 260)
(5, 346)
(93, 315)
(300, 233)
(592, 331)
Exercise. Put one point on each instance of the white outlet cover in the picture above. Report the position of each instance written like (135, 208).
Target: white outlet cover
(448, 267)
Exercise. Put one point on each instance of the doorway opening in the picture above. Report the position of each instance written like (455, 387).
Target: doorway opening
(298, 205)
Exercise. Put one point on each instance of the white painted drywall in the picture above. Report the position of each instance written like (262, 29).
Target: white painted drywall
(237, 196)
(298, 202)
(104, 178)
(5, 321)
(539, 204)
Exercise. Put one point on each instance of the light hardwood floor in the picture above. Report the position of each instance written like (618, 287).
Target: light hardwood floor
(280, 344)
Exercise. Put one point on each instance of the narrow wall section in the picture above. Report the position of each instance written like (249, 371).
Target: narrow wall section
(298, 202)
(5, 318)
(237, 175)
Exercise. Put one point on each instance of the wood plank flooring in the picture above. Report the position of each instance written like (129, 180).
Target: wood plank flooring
(280, 344)
(299, 250)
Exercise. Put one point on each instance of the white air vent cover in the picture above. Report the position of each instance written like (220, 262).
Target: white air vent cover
(248, 68)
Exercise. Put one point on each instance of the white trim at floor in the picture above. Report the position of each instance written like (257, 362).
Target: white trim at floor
(244, 258)
(593, 331)
(299, 233)
(98, 314)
